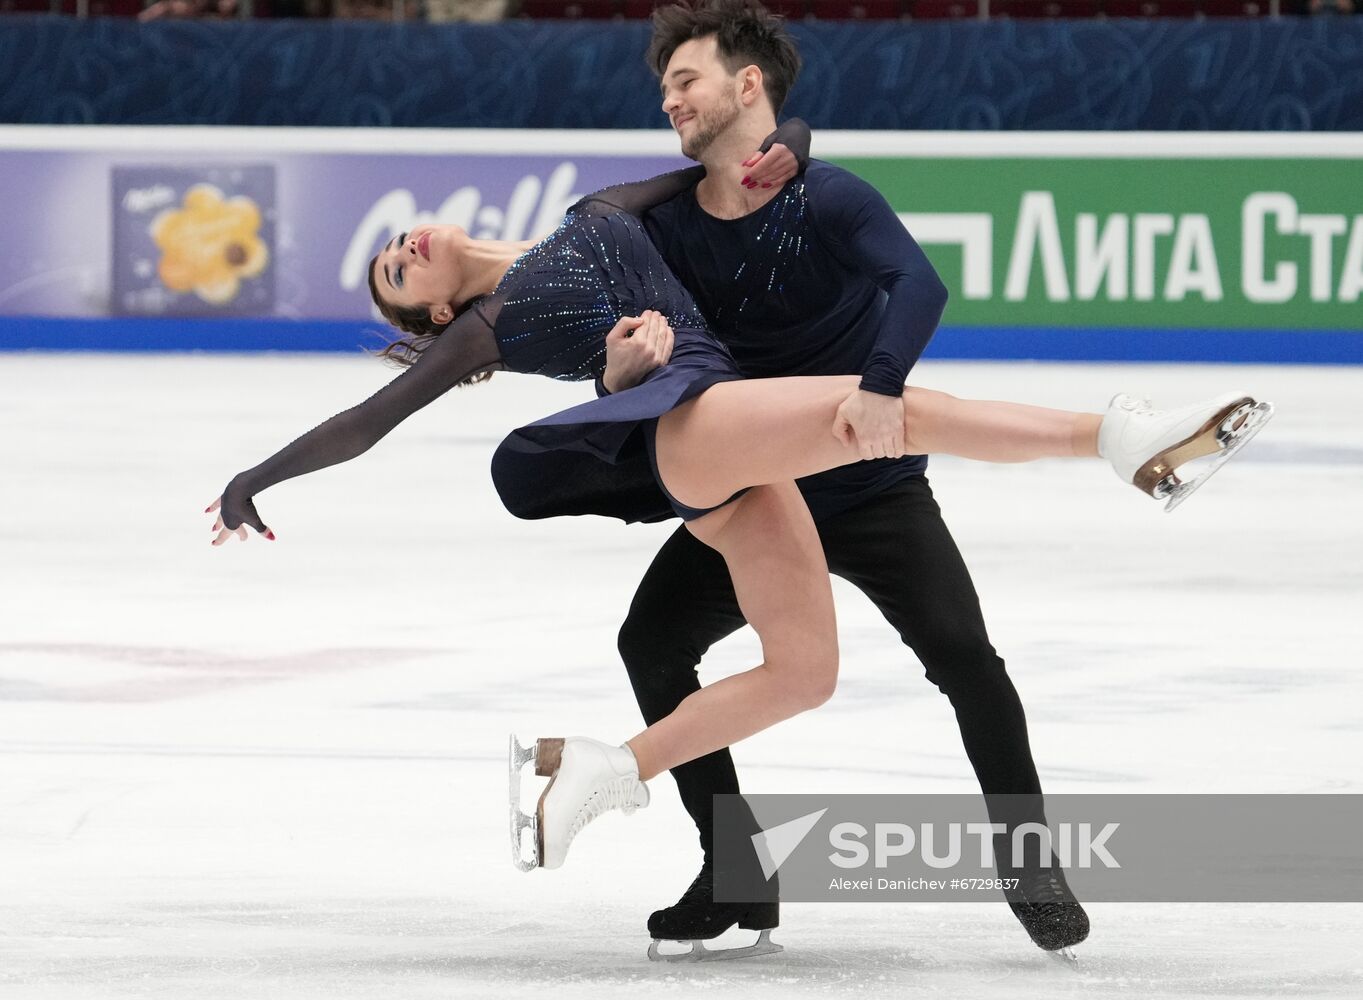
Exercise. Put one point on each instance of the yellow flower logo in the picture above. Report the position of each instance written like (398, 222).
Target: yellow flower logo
(209, 244)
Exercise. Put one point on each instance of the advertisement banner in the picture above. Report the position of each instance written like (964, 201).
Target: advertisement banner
(1206, 243)
(1053, 245)
(193, 242)
(282, 234)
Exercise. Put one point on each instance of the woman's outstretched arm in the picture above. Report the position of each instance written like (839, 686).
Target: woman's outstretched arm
(463, 350)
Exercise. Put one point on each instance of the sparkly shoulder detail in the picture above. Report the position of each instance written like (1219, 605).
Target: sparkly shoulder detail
(557, 302)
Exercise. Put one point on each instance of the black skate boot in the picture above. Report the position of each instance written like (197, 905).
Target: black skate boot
(1048, 911)
(696, 918)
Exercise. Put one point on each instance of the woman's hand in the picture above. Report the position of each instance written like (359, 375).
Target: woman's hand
(235, 516)
(636, 346)
(770, 169)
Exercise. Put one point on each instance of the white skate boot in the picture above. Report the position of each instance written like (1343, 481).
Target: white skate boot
(1147, 447)
(586, 779)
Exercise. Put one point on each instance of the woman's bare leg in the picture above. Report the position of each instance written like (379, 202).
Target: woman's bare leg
(765, 434)
(769, 542)
(758, 431)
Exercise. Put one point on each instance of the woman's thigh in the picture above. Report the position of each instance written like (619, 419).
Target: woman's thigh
(751, 433)
(774, 555)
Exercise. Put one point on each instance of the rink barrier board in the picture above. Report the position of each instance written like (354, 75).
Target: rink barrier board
(1059, 246)
(42, 333)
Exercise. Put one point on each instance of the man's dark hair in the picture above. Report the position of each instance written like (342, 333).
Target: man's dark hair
(746, 34)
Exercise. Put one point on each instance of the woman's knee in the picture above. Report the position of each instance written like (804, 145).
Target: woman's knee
(813, 681)
(820, 690)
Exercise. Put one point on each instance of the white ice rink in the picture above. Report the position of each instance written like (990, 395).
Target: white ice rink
(276, 769)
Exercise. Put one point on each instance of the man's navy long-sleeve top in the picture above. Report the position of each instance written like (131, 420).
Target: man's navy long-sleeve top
(822, 280)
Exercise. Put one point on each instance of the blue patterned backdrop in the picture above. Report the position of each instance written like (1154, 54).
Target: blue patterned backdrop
(1155, 74)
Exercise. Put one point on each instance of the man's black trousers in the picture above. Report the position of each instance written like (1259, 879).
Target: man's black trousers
(896, 549)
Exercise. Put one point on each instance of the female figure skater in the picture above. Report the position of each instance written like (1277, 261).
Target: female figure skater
(723, 452)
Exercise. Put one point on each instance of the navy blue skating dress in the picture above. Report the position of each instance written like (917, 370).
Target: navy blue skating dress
(549, 315)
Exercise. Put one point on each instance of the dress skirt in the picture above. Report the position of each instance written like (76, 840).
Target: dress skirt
(595, 458)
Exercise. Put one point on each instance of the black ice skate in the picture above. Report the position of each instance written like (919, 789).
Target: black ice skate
(1048, 911)
(697, 918)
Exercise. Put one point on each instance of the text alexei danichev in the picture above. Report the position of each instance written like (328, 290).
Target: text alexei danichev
(885, 884)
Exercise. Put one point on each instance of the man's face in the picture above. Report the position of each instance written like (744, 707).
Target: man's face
(700, 96)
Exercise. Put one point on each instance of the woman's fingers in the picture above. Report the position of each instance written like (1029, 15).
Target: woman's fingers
(224, 533)
(770, 169)
(213, 506)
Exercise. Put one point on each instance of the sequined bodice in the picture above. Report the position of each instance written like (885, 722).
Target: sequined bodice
(556, 303)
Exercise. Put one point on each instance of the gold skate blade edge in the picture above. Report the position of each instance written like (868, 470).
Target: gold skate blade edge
(1199, 444)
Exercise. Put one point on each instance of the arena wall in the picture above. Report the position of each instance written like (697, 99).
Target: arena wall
(1214, 74)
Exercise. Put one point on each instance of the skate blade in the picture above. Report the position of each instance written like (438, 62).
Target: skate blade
(1065, 957)
(517, 757)
(1256, 416)
(699, 953)
(1152, 477)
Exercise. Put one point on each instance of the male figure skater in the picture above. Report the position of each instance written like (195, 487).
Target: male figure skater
(817, 277)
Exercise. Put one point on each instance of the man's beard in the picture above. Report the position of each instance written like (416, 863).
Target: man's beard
(709, 127)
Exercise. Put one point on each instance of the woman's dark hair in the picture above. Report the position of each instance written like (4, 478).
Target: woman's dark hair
(746, 33)
(421, 330)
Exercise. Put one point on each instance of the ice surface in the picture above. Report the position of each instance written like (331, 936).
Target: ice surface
(276, 769)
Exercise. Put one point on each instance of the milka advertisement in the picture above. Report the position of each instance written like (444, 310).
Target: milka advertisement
(289, 235)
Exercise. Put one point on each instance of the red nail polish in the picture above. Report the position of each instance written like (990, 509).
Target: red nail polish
(743, 181)
(270, 535)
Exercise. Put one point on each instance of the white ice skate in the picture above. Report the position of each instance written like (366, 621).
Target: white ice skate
(1147, 447)
(586, 779)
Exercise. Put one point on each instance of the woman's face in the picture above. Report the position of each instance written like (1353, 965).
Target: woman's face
(422, 268)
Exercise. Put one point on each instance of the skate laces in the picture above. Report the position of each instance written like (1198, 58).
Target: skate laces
(1044, 892)
(702, 890)
(615, 794)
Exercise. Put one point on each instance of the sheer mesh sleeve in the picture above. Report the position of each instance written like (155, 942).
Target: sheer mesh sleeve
(638, 197)
(795, 136)
(466, 348)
